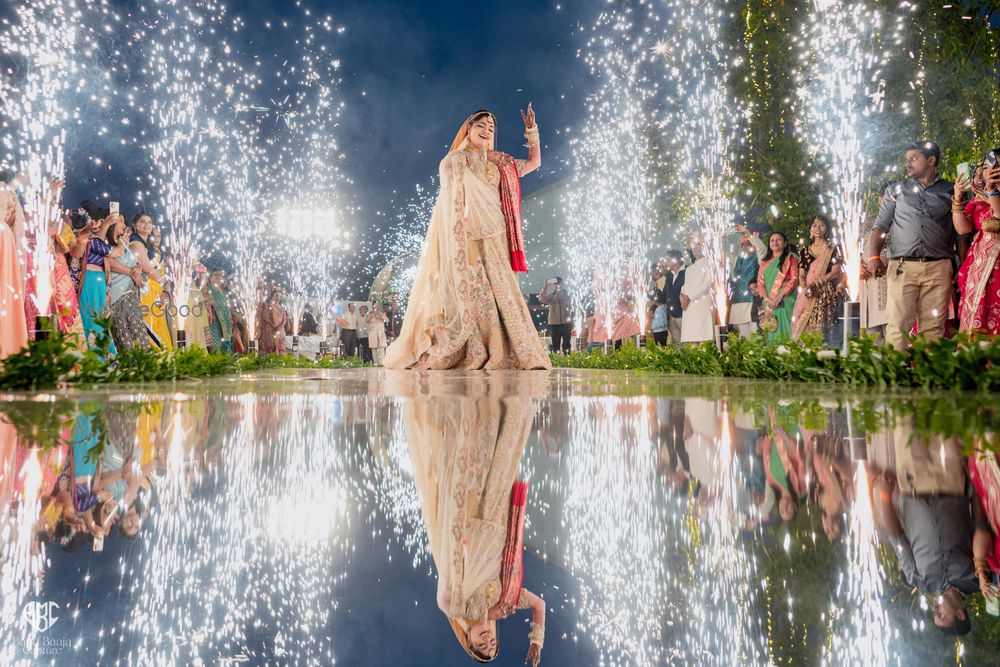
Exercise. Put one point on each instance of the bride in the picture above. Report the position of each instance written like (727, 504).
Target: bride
(466, 309)
(465, 455)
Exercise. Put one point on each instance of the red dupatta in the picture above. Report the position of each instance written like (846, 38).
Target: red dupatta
(510, 202)
(512, 568)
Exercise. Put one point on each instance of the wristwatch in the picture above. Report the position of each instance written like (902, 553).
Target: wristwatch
(994, 193)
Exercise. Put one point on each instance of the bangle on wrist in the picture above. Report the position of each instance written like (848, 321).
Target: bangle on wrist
(993, 193)
(537, 634)
(874, 257)
(531, 134)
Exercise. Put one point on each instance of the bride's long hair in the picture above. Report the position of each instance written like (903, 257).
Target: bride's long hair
(463, 132)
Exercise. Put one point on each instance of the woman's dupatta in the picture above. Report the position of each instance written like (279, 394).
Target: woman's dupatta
(510, 202)
(981, 259)
(776, 273)
(512, 569)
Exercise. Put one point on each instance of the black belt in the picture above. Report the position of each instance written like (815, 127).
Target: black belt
(917, 259)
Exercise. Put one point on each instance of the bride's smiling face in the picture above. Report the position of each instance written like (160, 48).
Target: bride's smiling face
(481, 132)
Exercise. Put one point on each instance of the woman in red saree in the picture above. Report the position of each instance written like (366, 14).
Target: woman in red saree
(979, 277)
(984, 472)
(465, 308)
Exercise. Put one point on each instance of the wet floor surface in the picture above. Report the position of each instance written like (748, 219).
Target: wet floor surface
(365, 517)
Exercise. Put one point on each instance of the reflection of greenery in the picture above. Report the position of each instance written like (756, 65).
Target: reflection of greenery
(960, 363)
(943, 416)
(39, 423)
(45, 423)
(56, 360)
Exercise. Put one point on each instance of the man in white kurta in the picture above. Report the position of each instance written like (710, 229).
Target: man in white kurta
(698, 323)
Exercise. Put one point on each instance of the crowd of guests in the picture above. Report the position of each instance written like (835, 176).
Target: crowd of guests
(931, 268)
(107, 268)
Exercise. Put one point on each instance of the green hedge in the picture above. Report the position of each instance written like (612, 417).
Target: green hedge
(961, 363)
(44, 364)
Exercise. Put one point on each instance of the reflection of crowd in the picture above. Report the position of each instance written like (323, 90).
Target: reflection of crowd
(100, 479)
(934, 506)
(107, 480)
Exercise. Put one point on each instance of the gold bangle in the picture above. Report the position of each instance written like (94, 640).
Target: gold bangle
(531, 134)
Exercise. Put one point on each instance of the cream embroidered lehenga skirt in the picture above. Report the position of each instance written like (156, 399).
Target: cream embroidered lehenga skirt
(465, 308)
(465, 453)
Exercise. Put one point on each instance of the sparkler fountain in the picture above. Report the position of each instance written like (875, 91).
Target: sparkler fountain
(43, 37)
(190, 101)
(840, 88)
(705, 121)
(309, 207)
(312, 237)
(612, 199)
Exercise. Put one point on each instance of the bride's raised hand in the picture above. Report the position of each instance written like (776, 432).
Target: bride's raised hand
(529, 117)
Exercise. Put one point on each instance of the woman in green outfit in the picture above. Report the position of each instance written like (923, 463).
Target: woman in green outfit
(220, 315)
(776, 282)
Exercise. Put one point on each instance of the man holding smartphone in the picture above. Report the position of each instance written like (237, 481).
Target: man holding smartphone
(554, 295)
(917, 212)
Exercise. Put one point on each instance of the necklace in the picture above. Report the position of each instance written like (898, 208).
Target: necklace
(481, 154)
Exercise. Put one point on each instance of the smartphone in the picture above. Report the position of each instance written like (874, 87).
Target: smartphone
(113, 207)
(965, 171)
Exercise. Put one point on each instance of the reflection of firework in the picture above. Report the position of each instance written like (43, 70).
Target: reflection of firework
(613, 520)
(725, 629)
(862, 632)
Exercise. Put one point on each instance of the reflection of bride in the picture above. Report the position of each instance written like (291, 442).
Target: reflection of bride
(466, 309)
(466, 453)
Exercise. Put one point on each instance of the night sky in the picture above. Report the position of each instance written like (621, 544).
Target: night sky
(415, 70)
(411, 73)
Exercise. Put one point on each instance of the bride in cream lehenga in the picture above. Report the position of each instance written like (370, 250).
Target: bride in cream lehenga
(465, 308)
(465, 452)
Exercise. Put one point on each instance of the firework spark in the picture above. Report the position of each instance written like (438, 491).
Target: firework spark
(841, 87)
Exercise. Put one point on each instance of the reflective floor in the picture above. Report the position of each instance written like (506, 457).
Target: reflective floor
(372, 518)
